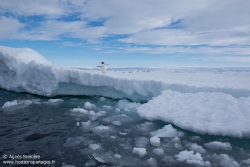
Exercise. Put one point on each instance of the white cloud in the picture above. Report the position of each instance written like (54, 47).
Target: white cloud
(9, 27)
(53, 30)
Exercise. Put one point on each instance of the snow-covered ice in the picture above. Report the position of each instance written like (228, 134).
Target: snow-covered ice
(205, 113)
(167, 131)
(158, 151)
(197, 148)
(216, 145)
(141, 152)
(190, 158)
(80, 110)
(155, 141)
(205, 102)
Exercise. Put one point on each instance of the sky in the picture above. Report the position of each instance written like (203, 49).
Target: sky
(130, 33)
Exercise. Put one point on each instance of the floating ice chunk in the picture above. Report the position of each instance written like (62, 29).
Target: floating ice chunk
(17, 103)
(195, 138)
(152, 162)
(102, 98)
(55, 100)
(99, 159)
(80, 110)
(155, 141)
(126, 109)
(89, 105)
(122, 133)
(100, 113)
(167, 131)
(86, 123)
(203, 112)
(227, 161)
(190, 158)
(94, 146)
(73, 141)
(101, 129)
(125, 104)
(141, 142)
(117, 123)
(146, 126)
(117, 156)
(197, 148)
(117, 110)
(158, 151)
(247, 161)
(107, 107)
(141, 152)
(77, 124)
(216, 145)
(94, 116)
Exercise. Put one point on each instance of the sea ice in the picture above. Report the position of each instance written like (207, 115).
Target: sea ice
(205, 113)
(17, 103)
(141, 152)
(167, 131)
(55, 100)
(155, 141)
(94, 146)
(158, 151)
(197, 148)
(73, 141)
(125, 104)
(141, 142)
(102, 98)
(117, 123)
(247, 161)
(89, 105)
(226, 160)
(216, 145)
(107, 107)
(80, 110)
(152, 162)
(190, 158)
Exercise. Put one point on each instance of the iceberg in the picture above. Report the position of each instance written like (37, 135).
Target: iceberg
(206, 102)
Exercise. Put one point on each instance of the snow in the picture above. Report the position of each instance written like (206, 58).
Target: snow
(227, 161)
(94, 146)
(125, 104)
(80, 110)
(117, 123)
(205, 102)
(205, 113)
(216, 145)
(167, 131)
(158, 151)
(141, 152)
(190, 158)
(197, 148)
(247, 161)
(155, 141)
(89, 105)
(55, 100)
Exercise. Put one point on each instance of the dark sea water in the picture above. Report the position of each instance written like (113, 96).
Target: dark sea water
(65, 138)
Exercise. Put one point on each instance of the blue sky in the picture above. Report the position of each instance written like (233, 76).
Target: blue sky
(142, 33)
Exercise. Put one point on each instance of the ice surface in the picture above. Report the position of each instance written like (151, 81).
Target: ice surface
(94, 146)
(227, 161)
(206, 113)
(158, 151)
(218, 145)
(141, 152)
(190, 158)
(55, 100)
(124, 104)
(155, 141)
(73, 141)
(89, 105)
(17, 102)
(80, 110)
(247, 161)
(197, 148)
(167, 131)
(205, 102)
(141, 142)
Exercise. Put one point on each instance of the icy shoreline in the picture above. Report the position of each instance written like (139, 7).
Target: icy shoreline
(25, 70)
